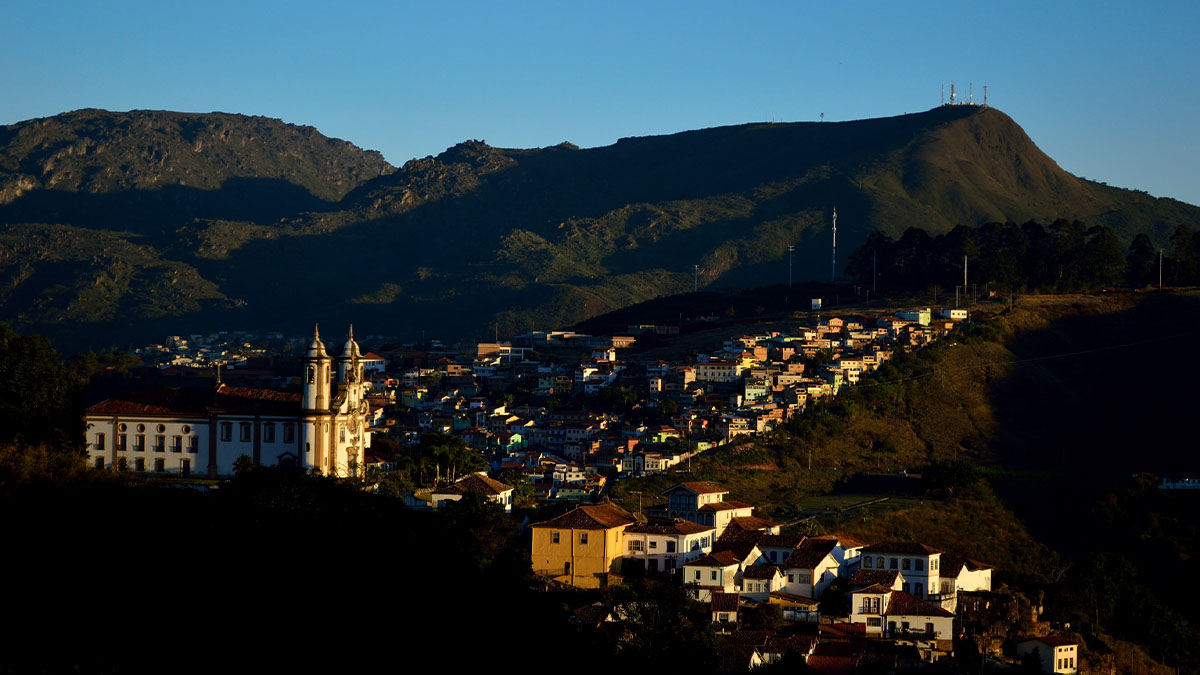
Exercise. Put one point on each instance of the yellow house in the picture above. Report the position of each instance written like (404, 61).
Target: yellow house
(581, 546)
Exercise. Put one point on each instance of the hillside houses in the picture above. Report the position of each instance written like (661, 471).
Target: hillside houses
(748, 562)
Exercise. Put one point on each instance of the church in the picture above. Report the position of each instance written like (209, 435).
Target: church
(187, 431)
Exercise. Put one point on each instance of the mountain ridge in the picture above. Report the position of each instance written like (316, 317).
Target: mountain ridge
(478, 238)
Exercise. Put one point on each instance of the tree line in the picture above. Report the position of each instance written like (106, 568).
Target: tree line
(1065, 256)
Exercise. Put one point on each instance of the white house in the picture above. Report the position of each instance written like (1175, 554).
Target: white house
(920, 565)
(702, 502)
(666, 545)
(715, 572)
(189, 430)
(477, 483)
(809, 573)
(1058, 654)
(896, 614)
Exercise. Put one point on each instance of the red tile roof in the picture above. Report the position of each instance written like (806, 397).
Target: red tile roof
(676, 526)
(718, 559)
(863, 578)
(599, 517)
(725, 506)
(699, 487)
(725, 602)
(761, 572)
(481, 485)
(901, 547)
(805, 560)
(904, 604)
(1054, 641)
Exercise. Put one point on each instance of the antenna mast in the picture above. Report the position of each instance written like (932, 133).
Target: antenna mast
(943, 93)
(833, 263)
(971, 93)
(985, 95)
(951, 93)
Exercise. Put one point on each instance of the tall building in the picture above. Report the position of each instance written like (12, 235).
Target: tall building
(189, 430)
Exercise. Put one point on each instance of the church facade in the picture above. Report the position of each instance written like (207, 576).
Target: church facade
(203, 431)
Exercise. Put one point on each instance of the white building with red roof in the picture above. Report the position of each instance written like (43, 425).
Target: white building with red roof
(204, 430)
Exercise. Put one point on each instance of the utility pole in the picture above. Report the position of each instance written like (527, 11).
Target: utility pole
(956, 296)
(791, 250)
(833, 264)
(964, 275)
(695, 278)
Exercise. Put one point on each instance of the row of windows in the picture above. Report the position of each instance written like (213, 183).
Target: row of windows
(917, 564)
(583, 537)
(139, 464)
(637, 545)
(268, 432)
(141, 428)
(1066, 663)
(160, 443)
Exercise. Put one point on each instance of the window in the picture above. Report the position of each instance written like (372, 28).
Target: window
(635, 544)
(771, 555)
(933, 565)
(141, 428)
(269, 432)
(99, 441)
(160, 443)
(874, 621)
(697, 575)
(790, 579)
(907, 564)
(177, 444)
(244, 432)
(892, 563)
(185, 467)
(289, 433)
(554, 537)
(162, 428)
(139, 443)
(919, 564)
(654, 544)
(670, 547)
(714, 575)
(160, 465)
(929, 628)
(122, 442)
(121, 464)
(139, 464)
(122, 427)
(583, 537)
(919, 590)
(226, 431)
(904, 626)
(99, 462)
(867, 561)
(312, 375)
(879, 562)
(194, 444)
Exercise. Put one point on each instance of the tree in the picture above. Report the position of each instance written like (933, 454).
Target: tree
(39, 401)
(1141, 263)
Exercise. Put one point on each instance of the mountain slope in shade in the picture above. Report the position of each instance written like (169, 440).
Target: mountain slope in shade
(480, 237)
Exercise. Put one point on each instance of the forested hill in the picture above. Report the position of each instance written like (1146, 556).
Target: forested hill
(480, 237)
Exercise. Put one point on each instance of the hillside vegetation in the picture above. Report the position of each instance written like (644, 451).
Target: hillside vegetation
(481, 237)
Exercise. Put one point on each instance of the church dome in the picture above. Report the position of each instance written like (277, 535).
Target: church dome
(316, 348)
(350, 349)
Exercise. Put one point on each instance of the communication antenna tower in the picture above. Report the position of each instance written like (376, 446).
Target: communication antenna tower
(985, 95)
(951, 93)
(833, 263)
(943, 93)
(971, 93)
(822, 117)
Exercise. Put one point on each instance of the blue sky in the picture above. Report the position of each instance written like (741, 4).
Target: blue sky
(1108, 89)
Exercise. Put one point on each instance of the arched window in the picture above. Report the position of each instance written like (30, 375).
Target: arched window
(312, 375)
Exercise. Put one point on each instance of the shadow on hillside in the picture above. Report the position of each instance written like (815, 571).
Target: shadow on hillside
(1102, 396)
(159, 211)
